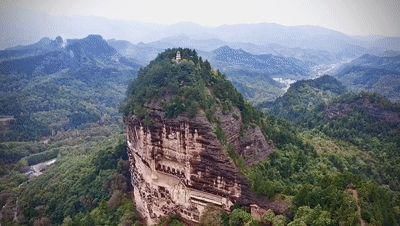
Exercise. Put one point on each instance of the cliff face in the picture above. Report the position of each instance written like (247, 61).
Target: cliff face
(178, 164)
(248, 141)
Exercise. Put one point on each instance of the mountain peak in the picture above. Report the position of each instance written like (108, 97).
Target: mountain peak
(228, 50)
(164, 80)
(303, 97)
(325, 83)
(59, 40)
(200, 129)
(91, 46)
(44, 41)
(94, 37)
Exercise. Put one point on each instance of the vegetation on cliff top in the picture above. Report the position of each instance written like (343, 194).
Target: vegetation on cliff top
(184, 88)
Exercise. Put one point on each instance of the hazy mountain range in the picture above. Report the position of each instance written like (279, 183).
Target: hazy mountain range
(251, 67)
(23, 27)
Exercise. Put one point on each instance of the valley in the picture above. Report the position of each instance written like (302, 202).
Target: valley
(233, 130)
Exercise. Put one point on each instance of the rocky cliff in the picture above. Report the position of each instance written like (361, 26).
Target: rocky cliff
(181, 158)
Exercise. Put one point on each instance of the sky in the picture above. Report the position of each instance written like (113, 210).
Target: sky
(353, 17)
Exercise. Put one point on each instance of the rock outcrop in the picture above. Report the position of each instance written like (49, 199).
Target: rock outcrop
(178, 164)
(249, 142)
(179, 167)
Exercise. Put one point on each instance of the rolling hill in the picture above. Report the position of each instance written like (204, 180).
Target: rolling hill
(304, 97)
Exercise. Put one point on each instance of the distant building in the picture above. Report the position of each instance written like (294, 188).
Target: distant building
(178, 56)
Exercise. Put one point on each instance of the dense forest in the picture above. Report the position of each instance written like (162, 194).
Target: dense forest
(336, 160)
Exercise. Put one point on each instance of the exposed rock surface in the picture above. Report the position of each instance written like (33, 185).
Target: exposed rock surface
(187, 126)
(178, 166)
(249, 142)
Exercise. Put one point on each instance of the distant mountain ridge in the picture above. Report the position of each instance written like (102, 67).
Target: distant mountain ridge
(374, 74)
(253, 74)
(141, 52)
(391, 63)
(56, 85)
(50, 56)
(91, 46)
(18, 31)
(42, 46)
(311, 56)
(227, 59)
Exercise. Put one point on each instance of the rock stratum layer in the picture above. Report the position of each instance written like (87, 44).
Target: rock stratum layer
(179, 167)
(186, 128)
